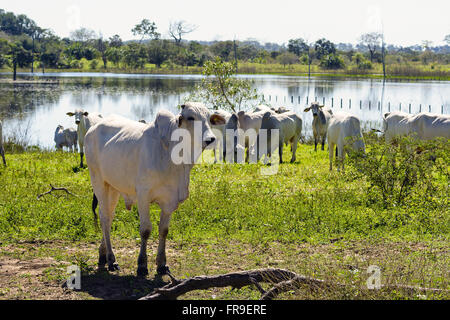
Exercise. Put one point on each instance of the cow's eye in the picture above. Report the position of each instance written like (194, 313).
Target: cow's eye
(191, 119)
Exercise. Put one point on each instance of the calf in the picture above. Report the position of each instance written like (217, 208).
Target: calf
(84, 121)
(2, 150)
(289, 126)
(321, 119)
(66, 138)
(136, 161)
(344, 130)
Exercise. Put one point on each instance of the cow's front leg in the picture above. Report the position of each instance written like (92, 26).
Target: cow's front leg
(145, 230)
(323, 143)
(164, 221)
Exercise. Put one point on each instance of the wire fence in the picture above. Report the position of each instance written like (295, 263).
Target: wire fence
(361, 104)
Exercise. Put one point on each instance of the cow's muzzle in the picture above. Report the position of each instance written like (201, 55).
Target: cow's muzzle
(77, 122)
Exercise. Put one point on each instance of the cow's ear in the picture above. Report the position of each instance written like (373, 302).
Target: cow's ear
(386, 115)
(307, 109)
(183, 106)
(86, 114)
(217, 120)
(70, 114)
(180, 120)
(321, 106)
(241, 113)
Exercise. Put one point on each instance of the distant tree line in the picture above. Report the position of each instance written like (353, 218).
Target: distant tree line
(23, 44)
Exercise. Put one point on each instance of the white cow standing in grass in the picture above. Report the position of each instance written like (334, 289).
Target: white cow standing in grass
(2, 150)
(424, 126)
(66, 138)
(134, 160)
(321, 119)
(289, 126)
(344, 130)
(84, 120)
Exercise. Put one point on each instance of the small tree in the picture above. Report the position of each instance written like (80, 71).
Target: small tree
(145, 29)
(220, 88)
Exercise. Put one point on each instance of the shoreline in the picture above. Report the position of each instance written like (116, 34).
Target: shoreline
(342, 75)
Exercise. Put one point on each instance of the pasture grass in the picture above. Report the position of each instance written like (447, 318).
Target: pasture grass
(305, 218)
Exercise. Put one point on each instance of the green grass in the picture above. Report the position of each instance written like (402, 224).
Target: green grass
(304, 218)
(304, 202)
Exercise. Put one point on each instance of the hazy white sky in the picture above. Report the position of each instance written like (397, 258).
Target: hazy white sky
(405, 22)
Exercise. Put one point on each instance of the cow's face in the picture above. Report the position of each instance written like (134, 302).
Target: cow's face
(315, 108)
(195, 115)
(79, 114)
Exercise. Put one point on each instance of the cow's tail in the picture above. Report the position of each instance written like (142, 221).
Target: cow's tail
(94, 206)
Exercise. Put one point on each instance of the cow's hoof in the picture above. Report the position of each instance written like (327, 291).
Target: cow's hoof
(114, 267)
(163, 270)
(142, 272)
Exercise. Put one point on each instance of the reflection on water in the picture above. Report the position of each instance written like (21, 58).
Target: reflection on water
(43, 104)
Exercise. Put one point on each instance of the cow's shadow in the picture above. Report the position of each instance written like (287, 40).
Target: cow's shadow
(113, 286)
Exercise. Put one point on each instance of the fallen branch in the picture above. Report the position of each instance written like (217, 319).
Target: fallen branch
(55, 189)
(281, 279)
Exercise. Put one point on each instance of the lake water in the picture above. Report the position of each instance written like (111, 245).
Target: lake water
(34, 109)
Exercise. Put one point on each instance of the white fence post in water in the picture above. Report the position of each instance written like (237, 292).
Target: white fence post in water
(349, 103)
(341, 103)
(360, 104)
(379, 105)
(429, 108)
(442, 109)
(323, 101)
(332, 102)
(370, 103)
(409, 108)
(420, 108)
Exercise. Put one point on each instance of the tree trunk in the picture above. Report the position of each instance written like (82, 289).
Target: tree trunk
(15, 71)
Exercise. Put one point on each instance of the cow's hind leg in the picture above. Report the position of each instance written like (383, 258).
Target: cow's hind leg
(145, 230)
(164, 221)
(2, 152)
(107, 203)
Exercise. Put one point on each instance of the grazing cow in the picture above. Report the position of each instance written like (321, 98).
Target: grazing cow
(2, 150)
(84, 121)
(135, 160)
(344, 129)
(425, 126)
(220, 133)
(289, 125)
(321, 119)
(66, 138)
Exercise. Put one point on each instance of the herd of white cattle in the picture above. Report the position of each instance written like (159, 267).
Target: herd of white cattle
(133, 159)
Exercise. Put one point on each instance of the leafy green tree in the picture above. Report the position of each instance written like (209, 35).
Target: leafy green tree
(221, 89)
(115, 41)
(20, 57)
(102, 47)
(114, 55)
(135, 56)
(298, 46)
(332, 61)
(223, 49)
(146, 29)
(324, 47)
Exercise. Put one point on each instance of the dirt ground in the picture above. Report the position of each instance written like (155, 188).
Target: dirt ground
(37, 270)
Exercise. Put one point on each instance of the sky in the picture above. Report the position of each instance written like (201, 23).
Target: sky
(404, 22)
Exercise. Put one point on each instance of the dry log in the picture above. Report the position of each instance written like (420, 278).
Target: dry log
(55, 189)
(281, 279)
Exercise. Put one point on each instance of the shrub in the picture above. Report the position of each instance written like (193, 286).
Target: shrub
(405, 171)
(93, 64)
(332, 61)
